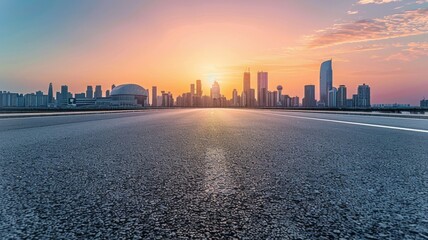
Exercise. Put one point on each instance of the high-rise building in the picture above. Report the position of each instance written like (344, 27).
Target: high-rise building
(154, 96)
(58, 99)
(192, 94)
(272, 98)
(192, 89)
(198, 88)
(364, 96)
(50, 94)
(167, 99)
(262, 88)
(279, 97)
(89, 92)
(252, 98)
(424, 103)
(64, 95)
(215, 95)
(246, 88)
(98, 92)
(341, 96)
(309, 99)
(112, 87)
(215, 91)
(326, 80)
(355, 100)
(247, 81)
(295, 102)
(107, 93)
(198, 98)
(235, 102)
(332, 97)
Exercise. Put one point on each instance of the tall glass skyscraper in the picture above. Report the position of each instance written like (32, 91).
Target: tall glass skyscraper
(326, 80)
(262, 88)
(50, 94)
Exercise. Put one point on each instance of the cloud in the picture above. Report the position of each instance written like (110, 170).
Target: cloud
(408, 23)
(359, 48)
(412, 51)
(376, 1)
(352, 12)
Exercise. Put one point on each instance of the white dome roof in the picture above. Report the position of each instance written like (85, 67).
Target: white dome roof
(128, 89)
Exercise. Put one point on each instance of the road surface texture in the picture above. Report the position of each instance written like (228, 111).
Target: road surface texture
(213, 173)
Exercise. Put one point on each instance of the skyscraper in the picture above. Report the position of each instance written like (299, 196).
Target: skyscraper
(424, 103)
(192, 95)
(246, 89)
(98, 92)
(309, 100)
(192, 89)
(341, 96)
(64, 95)
(364, 96)
(154, 96)
(215, 91)
(107, 93)
(198, 88)
(89, 92)
(262, 88)
(332, 97)
(50, 94)
(326, 80)
(235, 98)
(252, 97)
(279, 97)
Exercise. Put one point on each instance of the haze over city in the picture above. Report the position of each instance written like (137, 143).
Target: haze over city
(168, 44)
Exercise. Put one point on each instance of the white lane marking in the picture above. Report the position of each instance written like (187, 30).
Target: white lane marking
(218, 179)
(354, 123)
(398, 117)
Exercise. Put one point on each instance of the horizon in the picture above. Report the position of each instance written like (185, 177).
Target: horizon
(382, 43)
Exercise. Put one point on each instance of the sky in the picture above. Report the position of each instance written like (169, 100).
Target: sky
(171, 44)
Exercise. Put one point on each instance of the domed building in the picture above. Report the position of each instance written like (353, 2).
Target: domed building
(128, 95)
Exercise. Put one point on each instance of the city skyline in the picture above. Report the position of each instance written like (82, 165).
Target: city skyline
(134, 95)
(168, 45)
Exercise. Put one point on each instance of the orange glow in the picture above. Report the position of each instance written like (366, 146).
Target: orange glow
(169, 45)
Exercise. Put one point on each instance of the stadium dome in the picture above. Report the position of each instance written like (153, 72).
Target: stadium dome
(128, 95)
(128, 89)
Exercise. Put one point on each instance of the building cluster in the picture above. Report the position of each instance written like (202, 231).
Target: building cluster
(133, 95)
(127, 95)
(249, 97)
(333, 97)
(330, 96)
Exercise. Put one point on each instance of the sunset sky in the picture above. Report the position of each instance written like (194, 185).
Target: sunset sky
(170, 44)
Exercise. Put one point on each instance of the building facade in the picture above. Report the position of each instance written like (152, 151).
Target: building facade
(363, 96)
(326, 80)
(309, 99)
(262, 89)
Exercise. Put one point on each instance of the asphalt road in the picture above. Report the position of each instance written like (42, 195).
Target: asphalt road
(213, 173)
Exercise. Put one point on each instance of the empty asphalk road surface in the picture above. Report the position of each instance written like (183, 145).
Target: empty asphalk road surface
(214, 173)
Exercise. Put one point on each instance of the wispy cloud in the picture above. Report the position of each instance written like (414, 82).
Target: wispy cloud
(352, 12)
(377, 1)
(408, 23)
(411, 52)
(359, 48)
